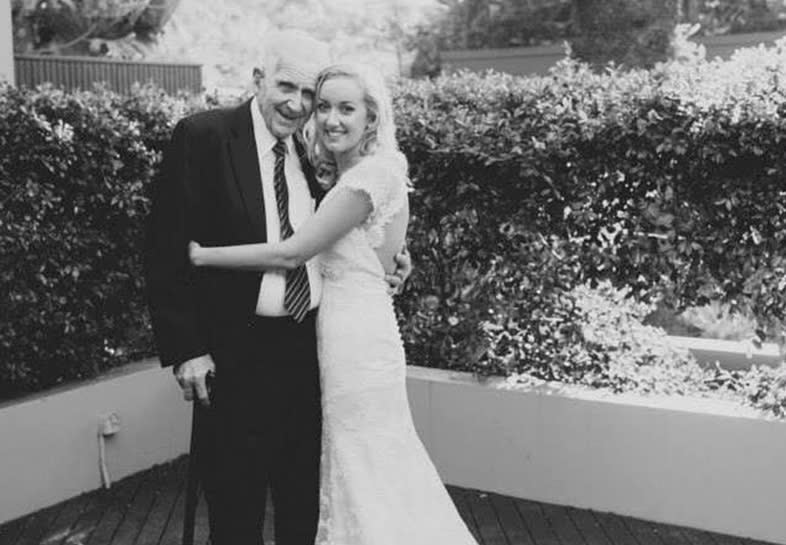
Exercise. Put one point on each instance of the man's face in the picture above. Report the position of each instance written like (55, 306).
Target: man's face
(286, 97)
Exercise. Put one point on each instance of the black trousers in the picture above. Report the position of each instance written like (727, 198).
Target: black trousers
(263, 432)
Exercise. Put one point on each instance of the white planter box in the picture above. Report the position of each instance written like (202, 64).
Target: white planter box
(700, 463)
(49, 441)
(695, 462)
(729, 354)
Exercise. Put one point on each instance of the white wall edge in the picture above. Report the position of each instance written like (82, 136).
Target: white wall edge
(702, 463)
(7, 43)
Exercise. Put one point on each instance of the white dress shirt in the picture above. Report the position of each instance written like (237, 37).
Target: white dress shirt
(270, 301)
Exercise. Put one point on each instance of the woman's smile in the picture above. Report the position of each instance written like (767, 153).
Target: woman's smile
(341, 115)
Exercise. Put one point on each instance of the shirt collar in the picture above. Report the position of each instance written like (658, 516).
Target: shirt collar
(265, 140)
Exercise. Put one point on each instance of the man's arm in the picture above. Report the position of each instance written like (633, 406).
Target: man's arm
(170, 290)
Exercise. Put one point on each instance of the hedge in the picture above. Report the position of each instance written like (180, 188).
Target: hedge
(669, 181)
(74, 174)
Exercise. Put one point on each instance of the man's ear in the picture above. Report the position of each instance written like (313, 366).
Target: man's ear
(259, 76)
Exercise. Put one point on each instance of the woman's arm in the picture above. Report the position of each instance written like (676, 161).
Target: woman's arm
(333, 219)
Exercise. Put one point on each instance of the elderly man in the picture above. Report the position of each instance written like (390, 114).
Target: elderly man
(230, 177)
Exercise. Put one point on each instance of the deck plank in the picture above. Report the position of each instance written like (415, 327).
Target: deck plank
(66, 522)
(38, 525)
(135, 514)
(488, 525)
(534, 518)
(721, 539)
(644, 533)
(90, 517)
(148, 509)
(697, 537)
(172, 532)
(10, 531)
(671, 535)
(115, 501)
(588, 526)
(164, 497)
(616, 529)
(512, 524)
(202, 529)
(459, 497)
(562, 524)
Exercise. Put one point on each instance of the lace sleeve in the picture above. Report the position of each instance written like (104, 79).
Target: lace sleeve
(385, 183)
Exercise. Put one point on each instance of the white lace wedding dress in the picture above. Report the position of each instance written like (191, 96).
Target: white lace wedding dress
(378, 485)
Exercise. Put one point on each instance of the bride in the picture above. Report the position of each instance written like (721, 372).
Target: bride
(378, 485)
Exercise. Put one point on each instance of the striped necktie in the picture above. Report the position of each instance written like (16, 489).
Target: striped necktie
(297, 293)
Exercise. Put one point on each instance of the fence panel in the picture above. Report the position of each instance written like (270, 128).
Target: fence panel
(538, 60)
(120, 75)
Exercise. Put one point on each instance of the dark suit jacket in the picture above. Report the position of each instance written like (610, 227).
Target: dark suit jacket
(209, 190)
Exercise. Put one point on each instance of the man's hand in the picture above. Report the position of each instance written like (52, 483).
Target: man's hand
(403, 270)
(192, 377)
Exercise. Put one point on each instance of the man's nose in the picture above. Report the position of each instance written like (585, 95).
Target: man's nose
(297, 102)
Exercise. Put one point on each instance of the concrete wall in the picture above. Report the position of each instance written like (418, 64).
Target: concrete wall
(700, 463)
(6, 42)
(49, 442)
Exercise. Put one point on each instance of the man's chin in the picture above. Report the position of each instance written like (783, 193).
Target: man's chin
(282, 131)
(285, 128)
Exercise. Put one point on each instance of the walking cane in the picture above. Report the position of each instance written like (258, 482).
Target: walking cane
(194, 460)
(192, 479)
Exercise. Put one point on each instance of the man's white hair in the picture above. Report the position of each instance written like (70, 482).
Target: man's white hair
(296, 47)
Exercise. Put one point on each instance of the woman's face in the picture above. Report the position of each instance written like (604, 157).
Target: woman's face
(341, 115)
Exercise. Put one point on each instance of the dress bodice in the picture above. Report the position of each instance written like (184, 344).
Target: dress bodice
(382, 178)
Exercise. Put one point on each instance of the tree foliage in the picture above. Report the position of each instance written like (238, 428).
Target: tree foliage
(633, 32)
(227, 37)
(735, 16)
(473, 24)
(86, 26)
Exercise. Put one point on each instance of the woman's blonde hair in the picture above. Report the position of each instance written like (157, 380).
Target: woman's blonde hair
(380, 135)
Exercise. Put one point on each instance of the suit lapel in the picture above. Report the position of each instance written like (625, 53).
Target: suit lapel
(245, 166)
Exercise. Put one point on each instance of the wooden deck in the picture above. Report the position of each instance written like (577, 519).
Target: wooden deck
(147, 509)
